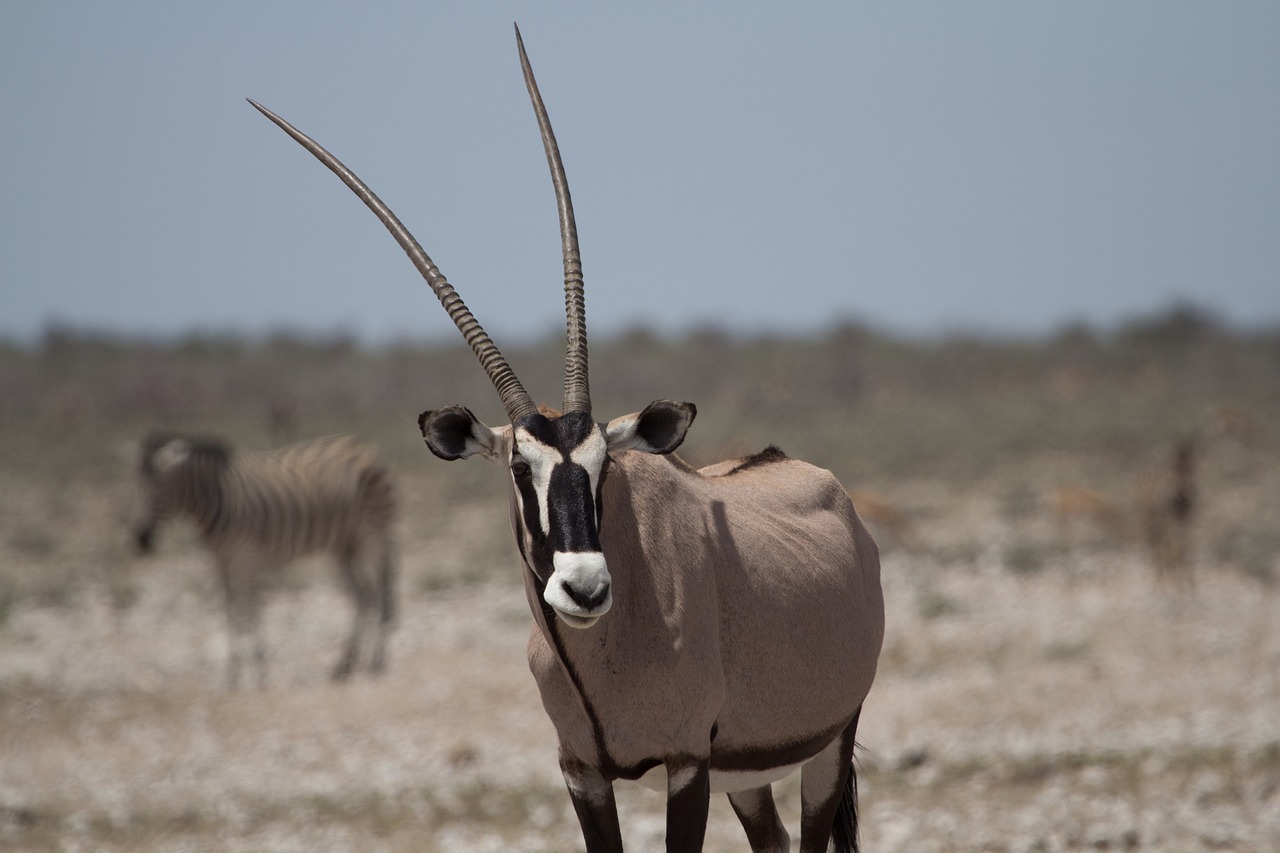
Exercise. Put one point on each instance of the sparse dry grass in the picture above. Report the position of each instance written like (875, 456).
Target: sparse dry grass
(1037, 692)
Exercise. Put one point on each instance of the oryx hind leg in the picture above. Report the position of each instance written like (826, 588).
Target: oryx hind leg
(759, 816)
(828, 791)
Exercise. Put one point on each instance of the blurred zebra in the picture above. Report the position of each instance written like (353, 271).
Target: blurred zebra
(257, 511)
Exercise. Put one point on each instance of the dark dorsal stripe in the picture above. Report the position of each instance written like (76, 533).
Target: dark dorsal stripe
(764, 457)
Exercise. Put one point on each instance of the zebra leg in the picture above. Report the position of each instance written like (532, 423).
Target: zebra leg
(259, 644)
(240, 597)
(349, 566)
(759, 816)
(826, 788)
(228, 604)
(387, 607)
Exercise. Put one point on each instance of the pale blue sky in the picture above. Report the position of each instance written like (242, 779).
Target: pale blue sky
(1005, 166)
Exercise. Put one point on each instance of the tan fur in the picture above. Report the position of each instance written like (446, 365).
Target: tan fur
(1069, 504)
(1166, 499)
(750, 602)
(1234, 423)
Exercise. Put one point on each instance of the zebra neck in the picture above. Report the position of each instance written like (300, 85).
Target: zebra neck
(203, 499)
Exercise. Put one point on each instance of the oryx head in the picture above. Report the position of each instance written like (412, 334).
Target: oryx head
(556, 463)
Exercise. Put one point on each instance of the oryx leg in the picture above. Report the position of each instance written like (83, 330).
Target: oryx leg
(759, 816)
(823, 783)
(688, 797)
(592, 796)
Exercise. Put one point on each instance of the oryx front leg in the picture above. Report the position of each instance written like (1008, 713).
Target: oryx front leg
(592, 796)
(688, 797)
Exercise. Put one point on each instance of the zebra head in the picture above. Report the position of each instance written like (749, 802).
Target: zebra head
(556, 462)
(175, 473)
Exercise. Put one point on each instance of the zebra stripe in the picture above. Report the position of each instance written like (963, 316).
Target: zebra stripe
(257, 511)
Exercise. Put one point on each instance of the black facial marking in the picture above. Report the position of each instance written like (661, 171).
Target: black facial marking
(572, 508)
(540, 427)
(573, 428)
(604, 472)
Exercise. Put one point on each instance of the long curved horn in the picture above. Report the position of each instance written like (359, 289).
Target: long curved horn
(577, 389)
(514, 398)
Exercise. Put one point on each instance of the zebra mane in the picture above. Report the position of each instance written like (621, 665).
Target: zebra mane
(203, 448)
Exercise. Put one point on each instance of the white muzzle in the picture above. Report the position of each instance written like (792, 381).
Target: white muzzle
(579, 589)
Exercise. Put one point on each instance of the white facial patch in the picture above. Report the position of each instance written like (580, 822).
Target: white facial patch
(579, 586)
(590, 455)
(588, 575)
(542, 460)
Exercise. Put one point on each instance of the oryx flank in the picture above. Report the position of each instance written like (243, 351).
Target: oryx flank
(256, 512)
(697, 630)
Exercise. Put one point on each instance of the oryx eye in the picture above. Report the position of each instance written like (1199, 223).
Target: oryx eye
(520, 468)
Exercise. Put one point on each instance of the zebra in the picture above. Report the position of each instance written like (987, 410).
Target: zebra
(257, 511)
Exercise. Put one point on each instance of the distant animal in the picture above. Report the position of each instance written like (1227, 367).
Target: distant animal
(1071, 503)
(1234, 423)
(883, 514)
(258, 511)
(1167, 502)
(696, 630)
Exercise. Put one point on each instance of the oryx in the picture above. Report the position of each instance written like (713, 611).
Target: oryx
(698, 630)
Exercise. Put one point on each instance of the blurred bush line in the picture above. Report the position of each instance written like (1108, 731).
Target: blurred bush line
(865, 402)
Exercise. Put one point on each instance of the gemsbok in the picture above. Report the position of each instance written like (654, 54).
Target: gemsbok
(256, 512)
(1166, 499)
(695, 630)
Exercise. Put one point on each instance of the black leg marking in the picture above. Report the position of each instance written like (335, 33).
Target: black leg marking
(688, 797)
(824, 783)
(592, 796)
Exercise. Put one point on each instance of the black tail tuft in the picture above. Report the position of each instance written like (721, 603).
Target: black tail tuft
(844, 832)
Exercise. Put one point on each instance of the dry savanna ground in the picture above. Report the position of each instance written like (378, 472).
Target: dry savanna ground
(1038, 689)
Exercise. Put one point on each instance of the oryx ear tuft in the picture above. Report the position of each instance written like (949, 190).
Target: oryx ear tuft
(453, 432)
(660, 428)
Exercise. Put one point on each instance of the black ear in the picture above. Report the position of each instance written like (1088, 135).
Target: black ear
(454, 433)
(660, 428)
